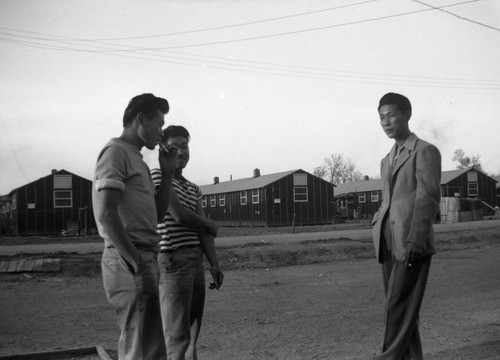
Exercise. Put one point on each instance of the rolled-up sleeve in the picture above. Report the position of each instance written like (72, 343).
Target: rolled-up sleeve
(112, 184)
(110, 170)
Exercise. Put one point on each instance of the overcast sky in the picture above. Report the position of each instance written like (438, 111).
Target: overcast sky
(270, 84)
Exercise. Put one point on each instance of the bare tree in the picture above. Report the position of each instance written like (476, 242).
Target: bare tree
(465, 162)
(338, 170)
(320, 171)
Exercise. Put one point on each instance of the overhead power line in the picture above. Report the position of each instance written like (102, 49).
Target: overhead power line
(254, 22)
(277, 69)
(235, 25)
(456, 15)
(342, 72)
(66, 40)
(70, 44)
(292, 71)
(295, 31)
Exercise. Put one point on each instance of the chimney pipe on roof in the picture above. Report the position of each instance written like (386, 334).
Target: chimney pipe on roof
(256, 173)
(216, 180)
(366, 177)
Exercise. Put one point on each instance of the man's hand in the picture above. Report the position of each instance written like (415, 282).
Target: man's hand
(167, 158)
(413, 254)
(217, 276)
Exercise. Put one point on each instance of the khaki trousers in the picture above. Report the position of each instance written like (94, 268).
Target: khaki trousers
(136, 301)
(182, 296)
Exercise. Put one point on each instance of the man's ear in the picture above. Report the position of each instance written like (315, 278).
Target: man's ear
(408, 114)
(140, 117)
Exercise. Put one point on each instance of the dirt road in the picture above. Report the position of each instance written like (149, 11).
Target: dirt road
(354, 234)
(330, 310)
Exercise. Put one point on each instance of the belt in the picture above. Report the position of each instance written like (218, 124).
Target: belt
(170, 251)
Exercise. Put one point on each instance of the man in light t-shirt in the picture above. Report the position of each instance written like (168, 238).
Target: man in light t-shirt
(126, 215)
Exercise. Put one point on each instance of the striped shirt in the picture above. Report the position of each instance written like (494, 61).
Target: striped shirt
(175, 234)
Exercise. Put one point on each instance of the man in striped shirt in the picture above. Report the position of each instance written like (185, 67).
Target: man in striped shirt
(186, 234)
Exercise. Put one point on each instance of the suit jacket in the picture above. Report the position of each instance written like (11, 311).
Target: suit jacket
(410, 196)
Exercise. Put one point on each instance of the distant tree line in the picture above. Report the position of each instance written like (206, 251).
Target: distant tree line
(465, 162)
(338, 170)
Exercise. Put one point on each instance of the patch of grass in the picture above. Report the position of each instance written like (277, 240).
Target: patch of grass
(223, 232)
(276, 255)
(35, 239)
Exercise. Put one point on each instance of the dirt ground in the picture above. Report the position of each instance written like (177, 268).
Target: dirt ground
(312, 300)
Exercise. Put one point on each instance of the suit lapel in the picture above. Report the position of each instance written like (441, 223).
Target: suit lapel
(389, 171)
(403, 156)
(386, 169)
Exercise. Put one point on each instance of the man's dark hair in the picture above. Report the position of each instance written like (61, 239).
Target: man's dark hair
(399, 100)
(173, 131)
(148, 104)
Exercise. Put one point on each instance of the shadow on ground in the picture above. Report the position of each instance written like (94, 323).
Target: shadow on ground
(489, 350)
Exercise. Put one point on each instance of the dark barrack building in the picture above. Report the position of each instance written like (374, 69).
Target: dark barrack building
(473, 188)
(57, 203)
(293, 197)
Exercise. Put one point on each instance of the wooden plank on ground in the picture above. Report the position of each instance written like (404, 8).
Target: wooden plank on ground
(103, 353)
(61, 354)
(53, 354)
(30, 265)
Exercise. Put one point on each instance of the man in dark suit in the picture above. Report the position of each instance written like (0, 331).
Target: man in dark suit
(402, 228)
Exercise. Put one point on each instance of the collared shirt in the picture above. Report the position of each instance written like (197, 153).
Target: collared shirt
(396, 151)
